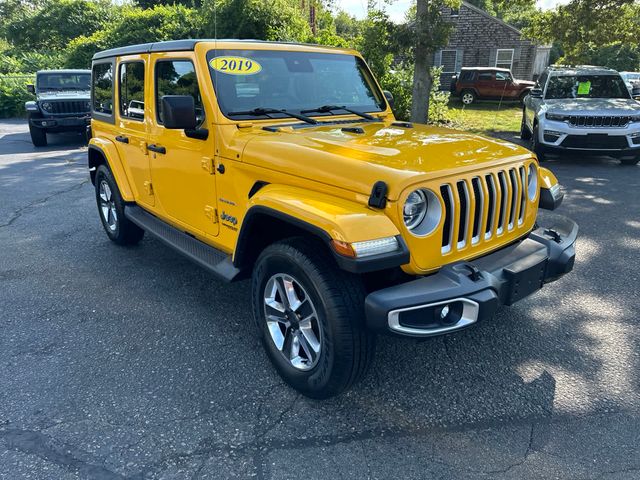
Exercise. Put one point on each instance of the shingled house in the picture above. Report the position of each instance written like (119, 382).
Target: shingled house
(482, 40)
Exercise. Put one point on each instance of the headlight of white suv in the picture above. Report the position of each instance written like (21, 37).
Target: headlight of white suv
(46, 106)
(421, 212)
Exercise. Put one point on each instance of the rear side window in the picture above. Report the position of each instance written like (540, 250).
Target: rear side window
(102, 87)
(131, 90)
(485, 76)
(177, 77)
(467, 76)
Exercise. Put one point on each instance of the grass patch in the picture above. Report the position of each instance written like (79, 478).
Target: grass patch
(485, 117)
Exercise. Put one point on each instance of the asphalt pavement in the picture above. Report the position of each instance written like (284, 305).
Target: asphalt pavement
(132, 363)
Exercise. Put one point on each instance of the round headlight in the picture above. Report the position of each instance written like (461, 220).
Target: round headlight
(532, 188)
(415, 208)
(87, 105)
(46, 106)
(421, 212)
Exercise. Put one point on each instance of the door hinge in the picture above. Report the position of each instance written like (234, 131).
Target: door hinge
(148, 187)
(211, 213)
(208, 165)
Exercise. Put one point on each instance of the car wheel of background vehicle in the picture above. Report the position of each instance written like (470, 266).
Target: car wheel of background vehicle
(38, 136)
(522, 96)
(111, 208)
(535, 144)
(525, 133)
(630, 161)
(310, 318)
(468, 97)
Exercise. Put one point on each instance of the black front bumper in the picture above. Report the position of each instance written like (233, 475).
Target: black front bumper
(61, 123)
(462, 293)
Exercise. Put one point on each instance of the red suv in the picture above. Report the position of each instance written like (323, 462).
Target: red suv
(485, 83)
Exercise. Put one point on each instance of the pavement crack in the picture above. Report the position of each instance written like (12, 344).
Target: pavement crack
(32, 442)
(19, 212)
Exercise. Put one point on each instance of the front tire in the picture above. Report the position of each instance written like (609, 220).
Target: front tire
(38, 136)
(119, 229)
(535, 144)
(525, 133)
(310, 318)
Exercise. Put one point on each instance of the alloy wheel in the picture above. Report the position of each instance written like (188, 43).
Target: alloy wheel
(292, 321)
(108, 206)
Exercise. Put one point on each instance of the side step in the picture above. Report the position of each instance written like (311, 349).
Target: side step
(217, 262)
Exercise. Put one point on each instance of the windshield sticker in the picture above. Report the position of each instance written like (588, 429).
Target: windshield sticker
(584, 88)
(235, 65)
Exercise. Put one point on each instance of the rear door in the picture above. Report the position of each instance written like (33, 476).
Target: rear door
(132, 123)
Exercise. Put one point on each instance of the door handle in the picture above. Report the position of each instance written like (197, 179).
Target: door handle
(122, 139)
(157, 148)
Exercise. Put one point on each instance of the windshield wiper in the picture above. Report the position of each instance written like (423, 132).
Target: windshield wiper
(329, 108)
(267, 111)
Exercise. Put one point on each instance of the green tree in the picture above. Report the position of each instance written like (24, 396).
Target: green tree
(52, 24)
(256, 19)
(582, 27)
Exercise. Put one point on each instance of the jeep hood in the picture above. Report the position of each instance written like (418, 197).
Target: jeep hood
(525, 83)
(593, 106)
(355, 161)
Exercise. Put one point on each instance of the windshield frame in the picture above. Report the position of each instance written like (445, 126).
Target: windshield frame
(576, 75)
(76, 88)
(372, 84)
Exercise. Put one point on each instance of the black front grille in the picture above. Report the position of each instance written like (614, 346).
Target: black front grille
(596, 142)
(598, 121)
(68, 107)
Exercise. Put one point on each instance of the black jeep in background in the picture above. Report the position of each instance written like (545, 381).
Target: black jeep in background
(62, 104)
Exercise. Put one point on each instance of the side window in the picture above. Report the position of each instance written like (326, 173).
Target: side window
(131, 90)
(177, 77)
(485, 76)
(103, 88)
(542, 80)
(502, 76)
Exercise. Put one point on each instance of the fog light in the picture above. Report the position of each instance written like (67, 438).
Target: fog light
(444, 312)
(551, 135)
(449, 313)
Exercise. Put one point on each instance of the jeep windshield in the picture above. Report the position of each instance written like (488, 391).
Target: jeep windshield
(64, 81)
(259, 84)
(586, 86)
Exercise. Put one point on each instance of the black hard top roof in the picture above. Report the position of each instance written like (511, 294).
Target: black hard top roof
(172, 46)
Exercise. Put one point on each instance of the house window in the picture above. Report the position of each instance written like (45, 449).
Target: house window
(504, 58)
(448, 61)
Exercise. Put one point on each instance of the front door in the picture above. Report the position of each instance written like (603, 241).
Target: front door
(484, 84)
(131, 129)
(505, 87)
(181, 168)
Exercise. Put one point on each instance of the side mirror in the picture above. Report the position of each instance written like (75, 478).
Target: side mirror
(179, 112)
(31, 88)
(536, 93)
(635, 92)
(389, 96)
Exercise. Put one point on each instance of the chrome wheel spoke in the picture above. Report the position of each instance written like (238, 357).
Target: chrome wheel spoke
(292, 321)
(309, 336)
(114, 215)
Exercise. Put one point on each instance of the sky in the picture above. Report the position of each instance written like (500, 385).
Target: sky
(398, 8)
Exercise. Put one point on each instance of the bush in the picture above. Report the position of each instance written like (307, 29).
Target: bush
(29, 61)
(13, 94)
(438, 100)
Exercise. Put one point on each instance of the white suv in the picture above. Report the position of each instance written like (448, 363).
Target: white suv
(585, 109)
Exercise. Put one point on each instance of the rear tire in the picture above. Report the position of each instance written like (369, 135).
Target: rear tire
(119, 228)
(38, 136)
(468, 97)
(329, 301)
(630, 161)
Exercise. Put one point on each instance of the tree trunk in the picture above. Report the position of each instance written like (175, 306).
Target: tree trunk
(422, 67)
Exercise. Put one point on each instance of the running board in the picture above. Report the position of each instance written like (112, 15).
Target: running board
(217, 262)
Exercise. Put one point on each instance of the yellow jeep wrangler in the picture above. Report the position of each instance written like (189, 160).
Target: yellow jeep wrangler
(283, 163)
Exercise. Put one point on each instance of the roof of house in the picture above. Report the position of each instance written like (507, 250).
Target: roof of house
(488, 15)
